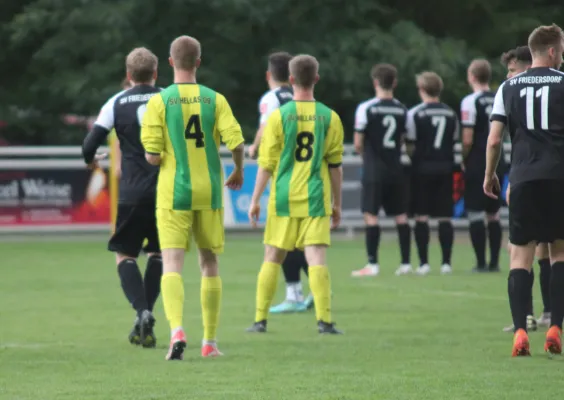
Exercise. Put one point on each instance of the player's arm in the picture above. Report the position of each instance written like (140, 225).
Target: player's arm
(232, 136)
(116, 156)
(267, 106)
(468, 115)
(334, 150)
(410, 133)
(152, 130)
(99, 133)
(360, 122)
(494, 145)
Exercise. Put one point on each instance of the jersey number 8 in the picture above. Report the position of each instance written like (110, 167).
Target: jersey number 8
(304, 146)
(194, 130)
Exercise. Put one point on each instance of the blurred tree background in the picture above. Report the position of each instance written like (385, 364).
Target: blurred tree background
(67, 56)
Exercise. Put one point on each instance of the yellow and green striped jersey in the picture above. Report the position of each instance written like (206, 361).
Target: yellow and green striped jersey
(185, 123)
(301, 141)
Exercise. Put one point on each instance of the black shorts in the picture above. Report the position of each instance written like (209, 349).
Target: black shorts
(134, 224)
(432, 195)
(391, 194)
(536, 212)
(475, 198)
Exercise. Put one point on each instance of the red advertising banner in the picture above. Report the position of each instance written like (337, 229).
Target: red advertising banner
(53, 196)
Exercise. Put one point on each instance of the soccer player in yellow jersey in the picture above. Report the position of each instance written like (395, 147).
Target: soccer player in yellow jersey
(302, 150)
(181, 132)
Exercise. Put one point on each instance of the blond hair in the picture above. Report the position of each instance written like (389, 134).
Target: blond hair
(141, 64)
(185, 51)
(544, 37)
(304, 69)
(430, 82)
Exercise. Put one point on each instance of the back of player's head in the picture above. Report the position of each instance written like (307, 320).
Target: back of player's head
(304, 71)
(278, 66)
(545, 37)
(141, 65)
(520, 54)
(481, 70)
(430, 83)
(385, 74)
(185, 52)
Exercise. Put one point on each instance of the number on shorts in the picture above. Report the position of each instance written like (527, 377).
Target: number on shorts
(304, 146)
(194, 130)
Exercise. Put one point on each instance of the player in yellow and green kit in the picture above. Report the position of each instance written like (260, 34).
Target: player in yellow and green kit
(302, 150)
(181, 132)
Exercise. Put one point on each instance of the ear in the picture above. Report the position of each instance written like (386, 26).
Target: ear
(170, 62)
(375, 83)
(128, 75)
(198, 62)
(292, 80)
(316, 79)
(395, 83)
(155, 75)
(268, 76)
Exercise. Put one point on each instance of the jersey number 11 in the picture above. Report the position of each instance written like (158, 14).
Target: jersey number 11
(529, 94)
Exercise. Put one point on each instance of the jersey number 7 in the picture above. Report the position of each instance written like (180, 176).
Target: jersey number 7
(194, 130)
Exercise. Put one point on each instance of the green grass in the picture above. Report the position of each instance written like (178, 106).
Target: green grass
(64, 324)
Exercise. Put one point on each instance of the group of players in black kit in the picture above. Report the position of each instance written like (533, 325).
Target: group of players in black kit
(528, 106)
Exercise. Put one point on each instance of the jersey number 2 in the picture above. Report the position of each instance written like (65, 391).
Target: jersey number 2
(389, 122)
(194, 130)
(529, 94)
(304, 146)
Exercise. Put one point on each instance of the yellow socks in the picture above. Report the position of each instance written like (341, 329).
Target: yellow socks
(320, 285)
(210, 298)
(172, 289)
(266, 287)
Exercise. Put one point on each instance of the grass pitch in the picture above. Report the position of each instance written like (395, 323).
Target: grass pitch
(64, 325)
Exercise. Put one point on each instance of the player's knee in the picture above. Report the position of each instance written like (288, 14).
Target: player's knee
(556, 251)
(522, 256)
(274, 254)
(316, 254)
(492, 217)
(370, 219)
(401, 219)
(542, 251)
(154, 256)
(421, 218)
(173, 260)
(208, 262)
(120, 257)
(475, 216)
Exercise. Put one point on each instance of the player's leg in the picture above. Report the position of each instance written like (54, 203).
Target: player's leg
(294, 301)
(474, 199)
(371, 199)
(279, 237)
(174, 234)
(543, 258)
(395, 203)
(442, 209)
(209, 234)
(423, 195)
(492, 207)
(523, 231)
(314, 234)
(127, 242)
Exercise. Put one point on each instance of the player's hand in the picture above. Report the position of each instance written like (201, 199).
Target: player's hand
(462, 167)
(117, 172)
(336, 217)
(97, 157)
(491, 186)
(254, 214)
(235, 180)
(253, 151)
(507, 193)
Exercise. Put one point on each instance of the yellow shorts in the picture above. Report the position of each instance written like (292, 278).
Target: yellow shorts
(290, 233)
(177, 227)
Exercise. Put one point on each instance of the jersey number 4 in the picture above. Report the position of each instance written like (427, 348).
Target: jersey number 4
(194, 130)
(529, 94)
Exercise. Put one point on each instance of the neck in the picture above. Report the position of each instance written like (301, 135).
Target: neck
(302, 94)
(481, 87)
(430, 99)
(142, 83)
(384, 94)
(275, 85)
(541, 62)
(181, 76)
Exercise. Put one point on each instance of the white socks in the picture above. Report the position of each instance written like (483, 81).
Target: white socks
(294, 292)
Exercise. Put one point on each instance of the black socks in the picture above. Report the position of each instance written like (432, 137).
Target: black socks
(132, 284)
(478, 238)
(292, 265)
(494, 236)
(530, 310)
(519, 291)
(545, 271)
(422, 241)
(372, 243)
(557, 294)
(152, 280)
(404, 236)
(446, 239)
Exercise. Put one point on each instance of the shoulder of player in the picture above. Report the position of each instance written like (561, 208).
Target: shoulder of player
(112, 100)
(413, 110)
(268, 96)
(469, 100)
(362, 107)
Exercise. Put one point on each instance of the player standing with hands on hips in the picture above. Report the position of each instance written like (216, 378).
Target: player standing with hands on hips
(530, 105)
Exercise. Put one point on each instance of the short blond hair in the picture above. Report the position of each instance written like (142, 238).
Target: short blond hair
(141, 64)
(481, 69)
(304, 68)
(430, 82)
(544, 37)
(185, 51)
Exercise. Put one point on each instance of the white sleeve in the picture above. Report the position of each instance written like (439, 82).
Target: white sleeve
(106, 117)
(498, 111)
(360, 118)
(268, 104)
(411, 133)
(468, 111)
